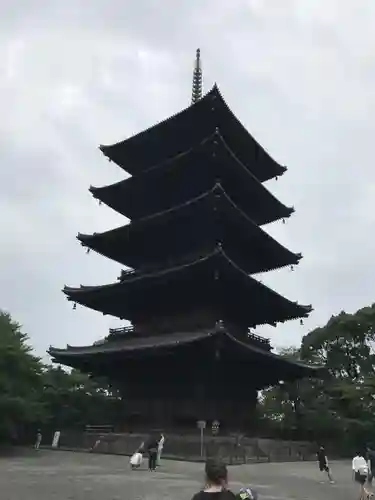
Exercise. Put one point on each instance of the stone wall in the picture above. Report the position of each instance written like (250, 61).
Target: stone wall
(230, 449)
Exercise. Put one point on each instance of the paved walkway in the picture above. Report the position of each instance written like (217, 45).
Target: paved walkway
(57, 475)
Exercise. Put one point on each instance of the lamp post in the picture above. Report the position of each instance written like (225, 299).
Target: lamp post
(201, 424)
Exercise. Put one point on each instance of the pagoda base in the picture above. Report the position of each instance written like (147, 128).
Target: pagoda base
(232, 449)
(173, 381)
(181, 415)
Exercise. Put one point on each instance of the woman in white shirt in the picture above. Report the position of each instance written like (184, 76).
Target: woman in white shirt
(360, 472)
(160, 449)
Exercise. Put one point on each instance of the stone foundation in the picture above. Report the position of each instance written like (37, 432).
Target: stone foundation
(230, 449)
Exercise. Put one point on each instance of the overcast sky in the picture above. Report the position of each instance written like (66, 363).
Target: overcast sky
(74, 74)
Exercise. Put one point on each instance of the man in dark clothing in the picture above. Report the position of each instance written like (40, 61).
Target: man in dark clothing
(152, 449)
(323, 463)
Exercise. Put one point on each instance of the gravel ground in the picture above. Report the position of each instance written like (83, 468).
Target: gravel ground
(59, 475)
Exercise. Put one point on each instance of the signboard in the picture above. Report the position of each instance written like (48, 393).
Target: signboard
(201, 424)
(56, 439)
(215, 427)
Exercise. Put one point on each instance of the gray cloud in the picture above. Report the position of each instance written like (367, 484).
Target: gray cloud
(75, 74)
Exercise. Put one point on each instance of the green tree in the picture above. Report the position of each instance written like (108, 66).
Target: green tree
(339, 406)
(344, 345)
(74, 400)
(296, 410)
(20, 381)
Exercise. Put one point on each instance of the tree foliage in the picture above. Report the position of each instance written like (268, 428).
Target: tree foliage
(20, 380)
(341, 406)
(34, 396)
(74, 400)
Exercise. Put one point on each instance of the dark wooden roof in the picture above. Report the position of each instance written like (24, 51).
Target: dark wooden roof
(179, 132)
(195, 226)
(133, 344)
(212, 282)
(154, 346)
(188, 175)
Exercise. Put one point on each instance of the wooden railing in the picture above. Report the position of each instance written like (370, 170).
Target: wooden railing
(125, 330)
(257, 339)
(119, 332)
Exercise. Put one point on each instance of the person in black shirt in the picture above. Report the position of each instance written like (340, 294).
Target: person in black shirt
(323, 463)
(216, 483)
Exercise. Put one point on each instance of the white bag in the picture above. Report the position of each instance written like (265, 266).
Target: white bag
(363, 470)
(136, 459)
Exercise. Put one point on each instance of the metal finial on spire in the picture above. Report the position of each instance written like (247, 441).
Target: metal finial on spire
(197, 79)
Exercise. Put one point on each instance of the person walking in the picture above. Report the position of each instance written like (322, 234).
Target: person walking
(360, 475)
(323, 463)
(38, 440)
(152, 449)
(216, 487)
(160, 449)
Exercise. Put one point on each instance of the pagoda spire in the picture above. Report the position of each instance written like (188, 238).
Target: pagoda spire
(197, 79)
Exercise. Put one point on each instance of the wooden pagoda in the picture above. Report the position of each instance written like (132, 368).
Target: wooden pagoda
(197, 202)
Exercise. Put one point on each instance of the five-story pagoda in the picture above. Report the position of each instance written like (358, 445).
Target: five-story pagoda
(197, 202)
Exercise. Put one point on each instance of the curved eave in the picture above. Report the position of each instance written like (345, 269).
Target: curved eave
(120, 239)
(108, 196)
(133, 277)
(124, 153)
(155, 344)
(122, 195)
(264, 156)
(310, 369)
(133, 344)
(89, 295)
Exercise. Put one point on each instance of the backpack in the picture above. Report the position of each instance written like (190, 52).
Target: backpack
(247, 494)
